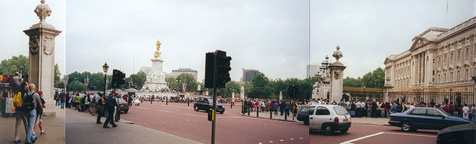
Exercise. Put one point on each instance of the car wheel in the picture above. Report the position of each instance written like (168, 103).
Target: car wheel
(406, 126)
(328, 130)
(344, 131)
(221, 112)
(195, 108)
(126, 111)
(306, 122)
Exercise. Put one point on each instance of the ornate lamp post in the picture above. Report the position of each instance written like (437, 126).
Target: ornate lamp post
(105, 67)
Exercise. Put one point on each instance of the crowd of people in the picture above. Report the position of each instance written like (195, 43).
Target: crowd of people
(285, 107)
(378, 108)
(99, 105)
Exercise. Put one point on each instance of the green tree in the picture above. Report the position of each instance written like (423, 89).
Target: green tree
(184, 78)
(76, 86)
(58, 83)
(260, 87)
(14, 64)
(231, 87)
(138, 79)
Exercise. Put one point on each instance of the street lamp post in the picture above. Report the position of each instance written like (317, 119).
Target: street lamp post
(104, 68)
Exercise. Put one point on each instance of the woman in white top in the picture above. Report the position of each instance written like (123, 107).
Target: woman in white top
(465, 111)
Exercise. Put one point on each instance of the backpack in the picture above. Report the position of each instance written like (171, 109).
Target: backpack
(109, 101)
(17, 100)
(452, 108)
(28, 104)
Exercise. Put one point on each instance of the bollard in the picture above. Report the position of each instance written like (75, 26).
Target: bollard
(188, 102)
(166, 100)
(293, 114)
(257, 113)
(231, 106)
(242, 109)
(270, 114)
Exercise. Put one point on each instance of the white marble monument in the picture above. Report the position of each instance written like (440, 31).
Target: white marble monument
(155, 80)
(242, 93)
(42, 54)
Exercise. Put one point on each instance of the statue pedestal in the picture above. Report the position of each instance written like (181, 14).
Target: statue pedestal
(156, 77)
(337, 81)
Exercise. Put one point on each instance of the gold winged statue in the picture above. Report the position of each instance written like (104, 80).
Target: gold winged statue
(157, 53)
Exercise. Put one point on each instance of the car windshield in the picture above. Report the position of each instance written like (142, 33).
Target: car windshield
(304, 109)
(444, 112)
(211, 101)
(312, 103)
(121, 100)
(340, 110)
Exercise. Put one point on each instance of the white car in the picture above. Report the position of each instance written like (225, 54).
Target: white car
(329, 118)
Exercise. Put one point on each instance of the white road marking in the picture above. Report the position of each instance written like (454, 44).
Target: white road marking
(270, 141)
(300, 138)
(409, 134)
(291, 139)
(281, 140)
(141, 108)
(260, 143)
(364, 137)
(164, 111)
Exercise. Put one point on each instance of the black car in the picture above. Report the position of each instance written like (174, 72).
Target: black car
(303, 114)
(123, 106)
(206, 103)
(458, 134)
(424, 118)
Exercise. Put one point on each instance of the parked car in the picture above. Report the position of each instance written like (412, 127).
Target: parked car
(424, 118)
(123, 106)
(458, 134)
(303, 114)
(206, 103)
(329, 118)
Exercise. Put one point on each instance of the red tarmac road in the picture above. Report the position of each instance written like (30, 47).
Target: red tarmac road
(375, 134)
(231, 127)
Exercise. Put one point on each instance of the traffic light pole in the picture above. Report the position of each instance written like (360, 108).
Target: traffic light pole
(215, 72)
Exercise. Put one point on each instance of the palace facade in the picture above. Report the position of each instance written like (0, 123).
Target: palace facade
(438, 67)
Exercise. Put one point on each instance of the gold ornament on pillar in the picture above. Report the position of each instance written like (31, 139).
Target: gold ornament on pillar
(157, 53)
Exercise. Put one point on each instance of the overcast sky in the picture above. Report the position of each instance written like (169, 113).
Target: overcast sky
(17, 16)
(369, 31)
(268, 35)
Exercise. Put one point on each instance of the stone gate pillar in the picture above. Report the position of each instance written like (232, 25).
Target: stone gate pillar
(337, 77)
(41, 53)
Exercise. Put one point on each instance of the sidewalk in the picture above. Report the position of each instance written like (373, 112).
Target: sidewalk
(82, 128)
(54, 127)
(374, 121)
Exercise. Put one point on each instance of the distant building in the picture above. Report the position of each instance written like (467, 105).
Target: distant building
(438, 67)
(312, 70)
(248, 74)
(176, 73)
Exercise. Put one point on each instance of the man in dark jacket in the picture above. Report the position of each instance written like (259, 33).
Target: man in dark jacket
(374, 108)
(110, 104)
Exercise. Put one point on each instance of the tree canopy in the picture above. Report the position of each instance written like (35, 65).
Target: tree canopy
(14, 64)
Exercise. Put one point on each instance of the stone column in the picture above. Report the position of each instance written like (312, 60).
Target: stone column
(41, 53)
(474, 96)
(336, 75)
(242, 93)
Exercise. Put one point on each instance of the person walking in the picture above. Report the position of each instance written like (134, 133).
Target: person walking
(19, 112)
(100, 107)
(39, 111)
(118, 110)
(110, 104)
(473, 113)
(30, 101)
(465, 111)
(3, 100)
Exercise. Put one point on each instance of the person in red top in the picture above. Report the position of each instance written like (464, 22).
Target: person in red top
(4, 79)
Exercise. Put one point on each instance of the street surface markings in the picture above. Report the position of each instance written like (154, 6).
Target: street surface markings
(270, 141)
(364, 137)
(164, 111)
(195, 115)
(281, 140)
(260, 143)
(141, 108)
(409, 134)
(300, 138)
(291, 139)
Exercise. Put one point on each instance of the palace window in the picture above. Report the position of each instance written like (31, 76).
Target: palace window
(459, 55)
(451, 57)
(467, 52)
(466, 74)
(458, 78)
(451, 77)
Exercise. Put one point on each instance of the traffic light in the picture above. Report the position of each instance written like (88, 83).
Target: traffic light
(296, 91)
(291, 91)
(223, 69)
(117, 78)
(209, 69)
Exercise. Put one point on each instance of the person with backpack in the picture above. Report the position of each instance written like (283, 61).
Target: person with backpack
(39, 112)
(110, 104)
(19, 112)
(30, 101)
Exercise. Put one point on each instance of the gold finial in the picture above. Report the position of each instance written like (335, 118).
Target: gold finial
(157, 53)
